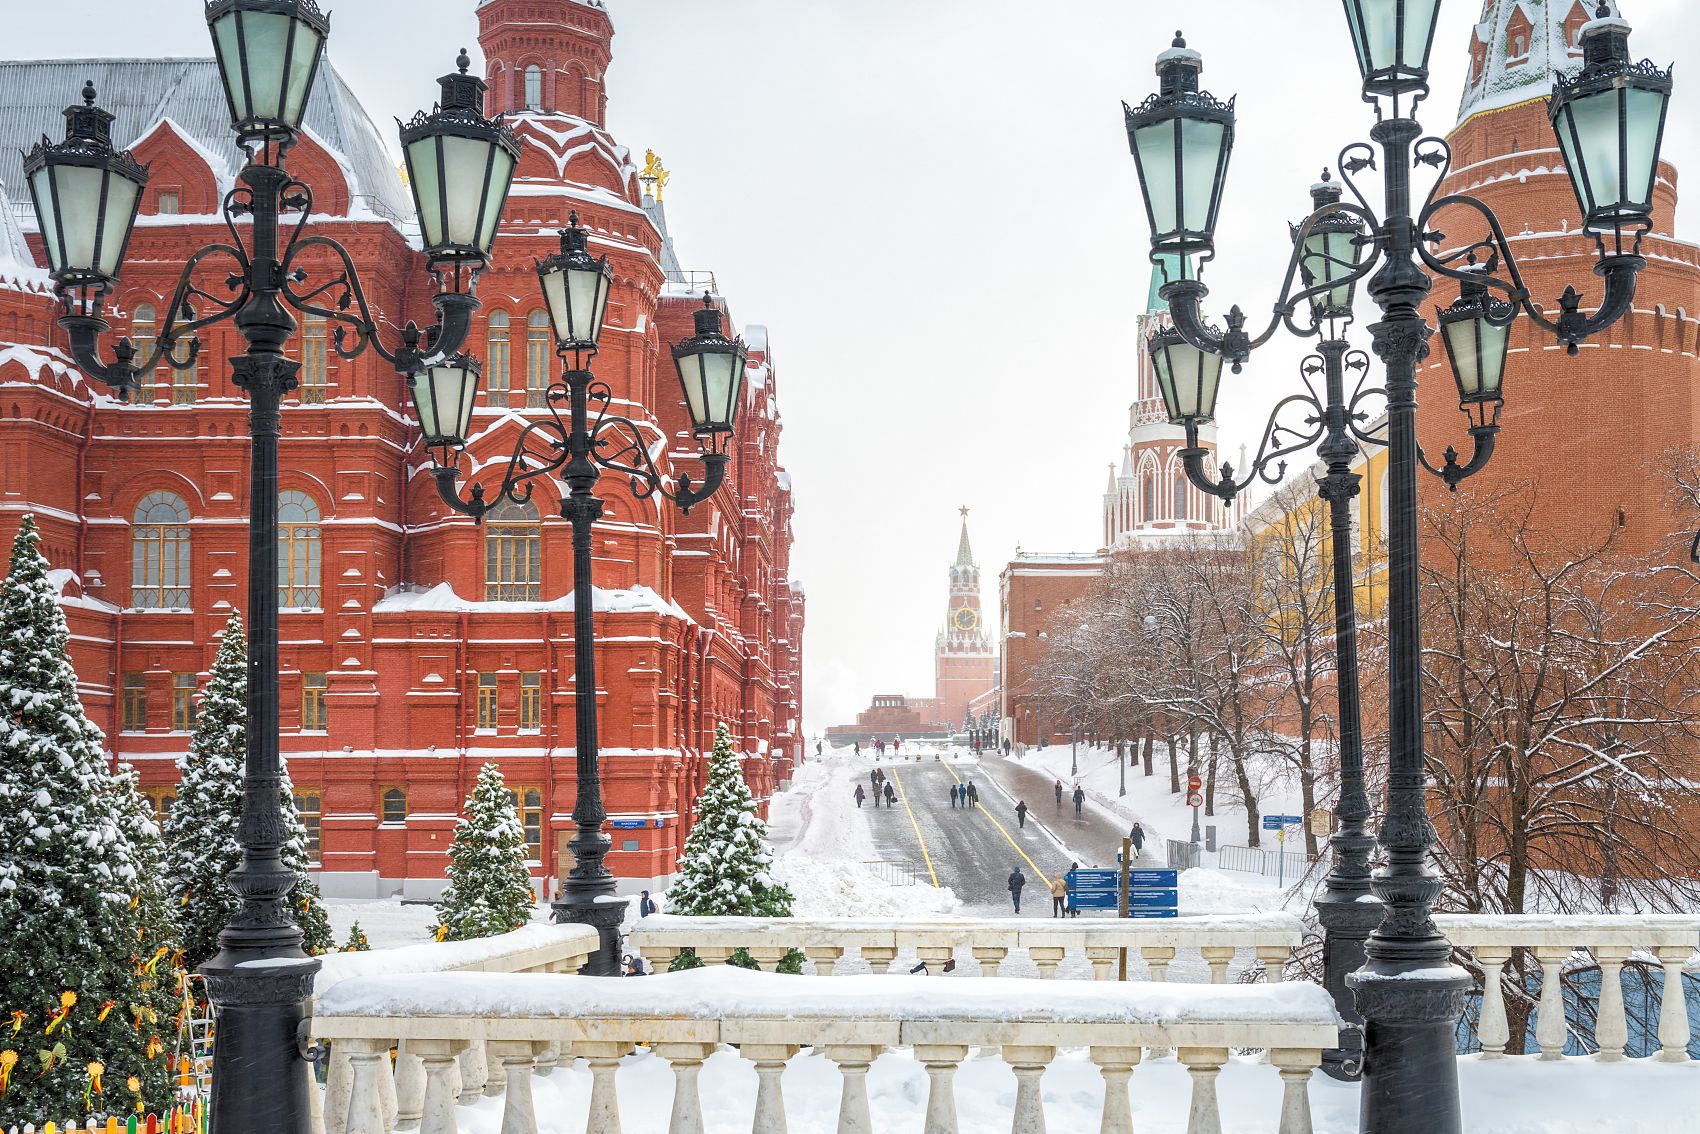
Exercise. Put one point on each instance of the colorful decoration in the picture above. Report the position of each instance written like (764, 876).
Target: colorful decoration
(8, 1060)
(155, 1046)
(95, 1070)
(153, 962)
(100, 1017)
(67, 1001)
(134, 1085)
(18, 1019)
(51, 1057)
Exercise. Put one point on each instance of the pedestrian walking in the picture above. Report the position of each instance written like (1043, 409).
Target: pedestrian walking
(896, 747)
(1021, 813)
(962, 793)
(860, 796)
(858, 749)
(973, 795)
(1068, 888)
(646, 904)
(817, 748)
(874, 779)
(1016, 881)
(890, 796)
(1058, 788)
(952, 797)
(1137, 838)
(1059, 896)
(1079, 799)
(1006, 748)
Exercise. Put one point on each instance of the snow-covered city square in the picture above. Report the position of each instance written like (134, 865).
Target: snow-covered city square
(561, 577)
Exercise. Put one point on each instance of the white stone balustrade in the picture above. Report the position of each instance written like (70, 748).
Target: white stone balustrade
(685, 1017)
(1214, 937)
(1667, 940)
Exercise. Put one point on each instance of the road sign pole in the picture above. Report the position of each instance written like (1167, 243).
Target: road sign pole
(1127, 857)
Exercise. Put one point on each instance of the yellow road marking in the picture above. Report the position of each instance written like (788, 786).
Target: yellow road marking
(1001, 831)
(904, 796)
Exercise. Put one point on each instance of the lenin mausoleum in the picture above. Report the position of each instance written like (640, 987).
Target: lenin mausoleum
(416, 645)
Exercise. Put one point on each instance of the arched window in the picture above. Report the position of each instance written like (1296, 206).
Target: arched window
(537, 351)
(297, 551)
(395, 806)
(315, 338)
(513, 553)
(159, 553)
(1148, 497)
(496, 368)
(144, 332)
(1180, 493)
(534, 87)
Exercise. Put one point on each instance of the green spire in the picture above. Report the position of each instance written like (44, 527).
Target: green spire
(964, 554)
(1167, 268)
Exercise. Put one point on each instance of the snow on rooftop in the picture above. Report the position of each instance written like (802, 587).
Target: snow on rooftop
(442, 598)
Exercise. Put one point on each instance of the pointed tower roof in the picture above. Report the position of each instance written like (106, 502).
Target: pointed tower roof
(1519, 46)
(964, 554)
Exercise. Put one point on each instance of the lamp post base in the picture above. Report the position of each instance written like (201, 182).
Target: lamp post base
(1347, 921)
(601, 911)
(260, 1077)
(1410, 1071)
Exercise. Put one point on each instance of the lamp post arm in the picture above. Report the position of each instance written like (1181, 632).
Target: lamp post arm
(617, 445)
(1482, 438)
(1279, 441)
(1185, 296)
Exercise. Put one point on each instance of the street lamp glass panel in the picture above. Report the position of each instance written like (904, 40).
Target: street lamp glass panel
(1477, 333)
(444, 396)
(1392, 39)
(86, 195)
(1181, 139)
(1187, 377)
(460, 165)
(268, 56)
(1330, 255)
(1610, 141)
(575, 288)
(711, 373)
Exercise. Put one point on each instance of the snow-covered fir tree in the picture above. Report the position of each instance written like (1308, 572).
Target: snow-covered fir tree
(724, 870)
(489, 890)
(78, 909)
(200, 832)
(305, 901)
(357, 941)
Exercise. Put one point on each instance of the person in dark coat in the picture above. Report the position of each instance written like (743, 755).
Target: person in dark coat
(1021, 813)
(952, 790)
(860, 795)
(1137, 838)
(646, 904)
(1079, 799)
(973, 795)
(1016, 881)
(890, 796)
(1058, 788)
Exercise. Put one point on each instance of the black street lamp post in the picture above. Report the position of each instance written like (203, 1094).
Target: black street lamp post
(86, 196)
(711, 372)
(1609, 122)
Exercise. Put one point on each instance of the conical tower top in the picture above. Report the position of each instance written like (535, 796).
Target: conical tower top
(1517, 48)
(964, 553)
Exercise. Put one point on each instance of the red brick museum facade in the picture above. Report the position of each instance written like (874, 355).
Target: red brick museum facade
(416, 645)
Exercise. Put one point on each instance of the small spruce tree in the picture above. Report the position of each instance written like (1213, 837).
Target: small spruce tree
(724, 870)
(489, 890)
(200, 832)
(84, 952)
(357, 942)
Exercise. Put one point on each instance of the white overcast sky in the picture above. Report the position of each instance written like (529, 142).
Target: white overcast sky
(931, 205)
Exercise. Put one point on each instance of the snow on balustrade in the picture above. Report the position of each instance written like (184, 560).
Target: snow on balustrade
(462, 1034)
(1215, 937)
(1666, 940)
(532, 948)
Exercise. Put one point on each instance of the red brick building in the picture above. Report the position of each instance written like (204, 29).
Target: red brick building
(415, 644)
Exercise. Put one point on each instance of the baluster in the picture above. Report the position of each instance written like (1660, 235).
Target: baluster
(1103, 960)
(514, 1059)
(549, 1060)
(1550, 1029)
(660, 956)
(1157, 957)
(604, 1059)
(1296, 1067)
(1204, 1064)
(768, 956)
(934, 955)
(409, 1086)
(990, 957)
(365, 1113)
(686, 1060)
(941, 1061)
(1218, 958)
(879, 957)
(824, 957)
(1116, 1065)
(1494, 1030)
(1029, 1063)
(1273, 958)
(769, 1059)
(853, 1061)
(1047, 957)
(714, 954)
(1673, 1005)
(1611, 1032)
(386, 1086)
(474, 1069)
(338, 1080)
(442, 1083)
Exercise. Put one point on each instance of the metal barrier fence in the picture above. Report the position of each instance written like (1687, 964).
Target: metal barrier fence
(1288, 866)
(1183, 856)
(895, 873)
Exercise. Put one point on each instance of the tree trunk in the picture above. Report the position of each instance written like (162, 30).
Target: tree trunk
(1174, 769)
(1210, 782)
(1150, 744)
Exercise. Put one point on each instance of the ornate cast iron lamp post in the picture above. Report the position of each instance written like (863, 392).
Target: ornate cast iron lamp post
(711, 372)
(86, 196)
(1609, 122)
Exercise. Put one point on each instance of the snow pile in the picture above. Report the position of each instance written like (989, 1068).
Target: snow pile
(855, 889)
(1205, 891)
(439, 957)
(442, 598)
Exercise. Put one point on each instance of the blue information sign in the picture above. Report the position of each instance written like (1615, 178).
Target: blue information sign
(1276, 822)
(1109, 900)
(1160, 879)
(1153, 899)
(1170, 912)
(625, 824)
(1084, 881)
